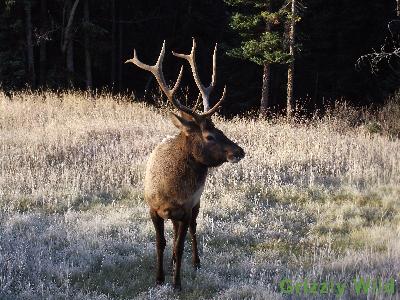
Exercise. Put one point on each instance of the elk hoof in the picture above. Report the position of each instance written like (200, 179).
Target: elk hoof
(160, 280)
(177, 286)
(196, 265)
(173, 260)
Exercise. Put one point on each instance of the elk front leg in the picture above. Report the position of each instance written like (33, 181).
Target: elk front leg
(178, 249)
(160, 244)
(176, 228)
(192, 229)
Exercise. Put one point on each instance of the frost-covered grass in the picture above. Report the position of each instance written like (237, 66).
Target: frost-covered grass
(317, 201)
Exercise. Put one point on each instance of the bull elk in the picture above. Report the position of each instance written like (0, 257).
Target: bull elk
(177, 168)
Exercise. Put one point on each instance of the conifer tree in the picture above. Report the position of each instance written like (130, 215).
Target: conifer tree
(260, 27)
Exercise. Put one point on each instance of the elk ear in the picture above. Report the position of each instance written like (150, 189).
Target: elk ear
(207, 124)
(183, 124)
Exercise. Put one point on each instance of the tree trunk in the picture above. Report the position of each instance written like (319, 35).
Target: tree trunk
(315, 98)
(88, 58)
(120, 62)
(42, 43)
(289, 100)
(68, 35)
(290, 82)
(398, 8)
(113, 44)
(29, 43)
(68, 43)
(266, 83)
(70, 64)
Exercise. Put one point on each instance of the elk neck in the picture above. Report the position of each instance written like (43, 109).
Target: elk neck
(185, 145)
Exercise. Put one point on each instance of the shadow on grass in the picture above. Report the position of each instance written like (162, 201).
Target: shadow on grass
(121, 280)
(127, 196)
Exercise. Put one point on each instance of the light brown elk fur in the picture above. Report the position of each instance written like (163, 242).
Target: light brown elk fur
(177, 168)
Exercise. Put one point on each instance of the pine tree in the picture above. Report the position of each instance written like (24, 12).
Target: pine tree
(260, 27)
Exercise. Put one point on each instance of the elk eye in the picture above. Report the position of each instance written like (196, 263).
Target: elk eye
(210, 138)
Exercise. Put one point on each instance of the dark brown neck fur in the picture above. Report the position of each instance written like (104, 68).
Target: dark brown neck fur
(185, 143)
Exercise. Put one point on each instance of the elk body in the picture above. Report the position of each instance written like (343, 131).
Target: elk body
(177, 168)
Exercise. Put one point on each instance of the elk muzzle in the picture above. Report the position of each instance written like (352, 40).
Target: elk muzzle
(234, 154)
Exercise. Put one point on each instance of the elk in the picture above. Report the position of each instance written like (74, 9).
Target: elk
(177, 168)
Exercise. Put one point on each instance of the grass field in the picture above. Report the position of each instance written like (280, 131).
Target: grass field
(316, 202)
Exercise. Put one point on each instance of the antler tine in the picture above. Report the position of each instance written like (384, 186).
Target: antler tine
(205, 91)
(214, 74)
(196, 106)
(178, 81)
(156, 70)
(211, 111)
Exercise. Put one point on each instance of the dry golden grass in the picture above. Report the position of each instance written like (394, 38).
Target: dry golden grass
(318, 201)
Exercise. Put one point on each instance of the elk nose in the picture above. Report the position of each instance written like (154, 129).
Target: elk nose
(239, 153)
(234, 154)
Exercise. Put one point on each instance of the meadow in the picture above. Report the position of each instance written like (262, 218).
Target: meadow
(312, 202)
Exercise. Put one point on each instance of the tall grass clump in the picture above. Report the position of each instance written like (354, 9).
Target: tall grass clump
(382, 120)
(317, 200)
(389, 116)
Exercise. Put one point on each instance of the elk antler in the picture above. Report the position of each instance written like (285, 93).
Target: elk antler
(204, 91)
(156, 70)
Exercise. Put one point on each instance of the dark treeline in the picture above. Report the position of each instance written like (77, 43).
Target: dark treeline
(83, 44)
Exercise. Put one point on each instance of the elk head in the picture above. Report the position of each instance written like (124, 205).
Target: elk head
(208, 145)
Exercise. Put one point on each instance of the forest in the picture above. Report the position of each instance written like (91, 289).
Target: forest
(334, 50)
